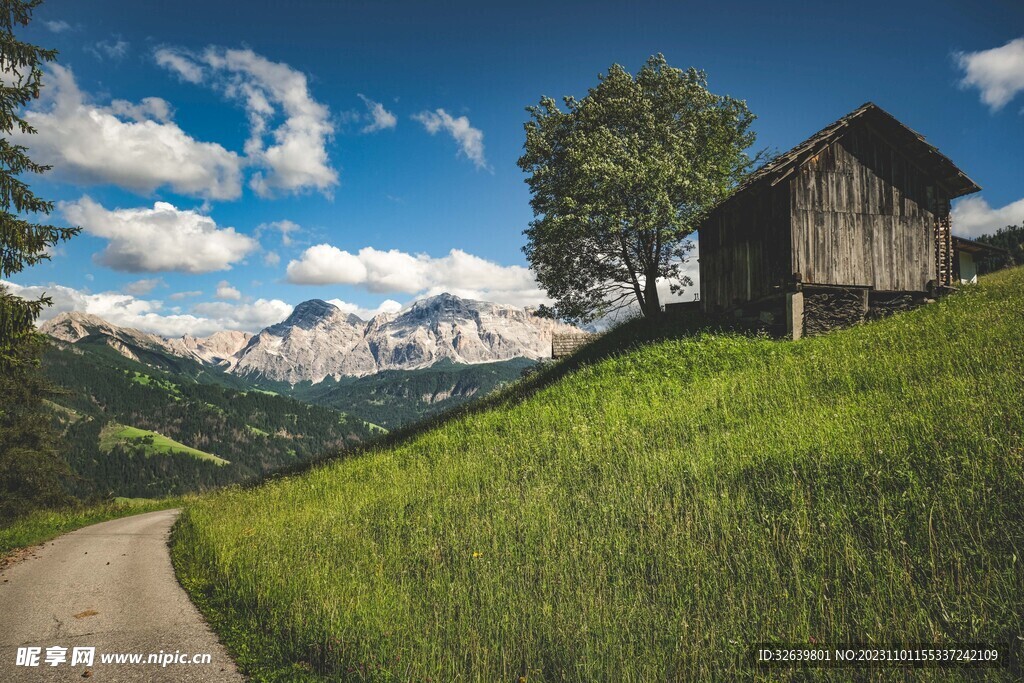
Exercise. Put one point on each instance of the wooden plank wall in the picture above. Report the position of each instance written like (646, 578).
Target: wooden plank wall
(565, 344)
(863, 215)
(744, 248)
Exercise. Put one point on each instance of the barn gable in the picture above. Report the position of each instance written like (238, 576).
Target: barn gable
(862, 204)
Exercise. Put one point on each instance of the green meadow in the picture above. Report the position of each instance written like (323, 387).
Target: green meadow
(650, 510)
(42, 525)
(152, 442)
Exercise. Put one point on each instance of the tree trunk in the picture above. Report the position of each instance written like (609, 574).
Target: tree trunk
(652, 302)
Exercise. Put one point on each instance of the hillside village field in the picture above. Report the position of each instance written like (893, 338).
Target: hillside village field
(650, 510)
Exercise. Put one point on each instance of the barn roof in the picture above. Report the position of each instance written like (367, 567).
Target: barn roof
(909, 142)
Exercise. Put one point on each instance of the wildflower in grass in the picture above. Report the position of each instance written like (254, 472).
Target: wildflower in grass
(477, 553)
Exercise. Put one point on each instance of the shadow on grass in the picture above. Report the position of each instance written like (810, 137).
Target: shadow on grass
(619, 340)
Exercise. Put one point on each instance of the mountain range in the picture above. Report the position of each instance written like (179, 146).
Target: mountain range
(319, 341)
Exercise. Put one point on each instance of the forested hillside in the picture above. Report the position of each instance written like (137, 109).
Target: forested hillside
(109, 404)
(396, 398)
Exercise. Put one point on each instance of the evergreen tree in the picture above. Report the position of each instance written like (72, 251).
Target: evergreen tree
(22, 241)
(31, 469)
(32, 472)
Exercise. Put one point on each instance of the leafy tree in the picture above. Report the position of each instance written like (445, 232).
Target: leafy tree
(22, 241)
(621, 178)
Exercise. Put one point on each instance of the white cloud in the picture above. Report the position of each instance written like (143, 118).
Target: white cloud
(973, 217)
(87, 143)
(57, 26)
(163, 238)
(458, 272)
(271, 258)
(142, 287)
(998, 73)
(110, 49)
(126, 310)
(386, 306)
(148, 108)
(226, 292)
(292, 155)
(469, 139)
(325, 264)
(178, 296)
(174, 60)
(380, 118)
(248, 317)
(285, 227)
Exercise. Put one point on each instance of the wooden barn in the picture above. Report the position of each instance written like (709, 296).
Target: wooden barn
(852, 223)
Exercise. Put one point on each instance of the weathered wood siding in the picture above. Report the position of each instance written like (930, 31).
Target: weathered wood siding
(566, 344)
(864, 215)
(744, 248)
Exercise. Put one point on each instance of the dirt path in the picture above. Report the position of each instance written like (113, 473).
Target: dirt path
(111, 587)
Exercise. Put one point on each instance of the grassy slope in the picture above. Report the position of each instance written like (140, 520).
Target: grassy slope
(651, 516)
(162, 445)
(43, 525)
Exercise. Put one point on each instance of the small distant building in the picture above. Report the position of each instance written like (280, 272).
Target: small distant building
(564, 344)
(850, 224)
(968, 255)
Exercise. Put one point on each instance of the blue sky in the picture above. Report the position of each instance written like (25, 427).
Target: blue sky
(187, 134)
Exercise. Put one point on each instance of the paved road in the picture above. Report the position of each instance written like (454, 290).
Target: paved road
(109, 586)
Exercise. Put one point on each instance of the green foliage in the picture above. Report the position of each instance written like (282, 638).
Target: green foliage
(654, 514)
(1010, 238)
(22, 241)
(31, 470)
(622, 178)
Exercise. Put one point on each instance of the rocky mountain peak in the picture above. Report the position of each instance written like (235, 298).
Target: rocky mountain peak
(319, 340)
(307, 314)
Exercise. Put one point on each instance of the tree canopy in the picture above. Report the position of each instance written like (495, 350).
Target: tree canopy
(621, 178)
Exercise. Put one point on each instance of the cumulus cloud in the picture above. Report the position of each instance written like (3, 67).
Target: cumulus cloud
(386, 306)
(469, 139)
(998, 73)
(380, 118)
(144, 286)
(248, 317)
(271, 258)
(178, 296)
(163, 238)
(134, 146)
(973, 217)
(325, 264)
(291, 153)
(226, 292)
(380, 271)
(147, 315)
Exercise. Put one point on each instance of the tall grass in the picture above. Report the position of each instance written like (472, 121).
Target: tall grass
(654, 515)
